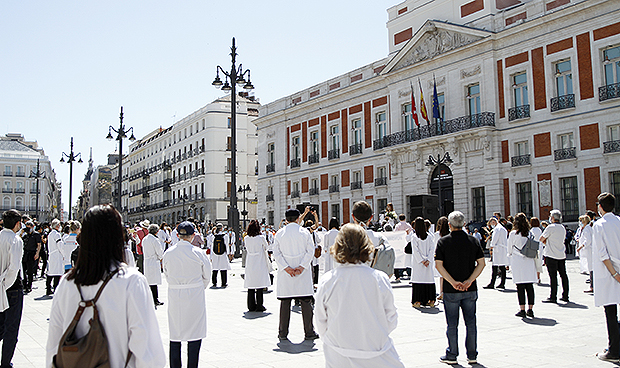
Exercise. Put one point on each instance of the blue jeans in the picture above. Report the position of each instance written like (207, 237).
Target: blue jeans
(9, 325)
(467, 303)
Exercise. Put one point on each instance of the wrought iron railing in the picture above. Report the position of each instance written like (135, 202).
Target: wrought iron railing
(519, 112)
(295, 162)
(333, 153)
(565, 153)
(611, 146)
(608, 92)
(562, 102)
(269, 198)
(20, 190)
(355, 149)
(313, 158)
(520, 160)
(295, 194)
(334, 188)
(356, 185)
(440, 128)
(270, 168)
(314, 191)
(380, 181)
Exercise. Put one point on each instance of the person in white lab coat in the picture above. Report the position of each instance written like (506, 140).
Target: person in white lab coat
(584, 249)
(361, 213)
(422, 276)
(256, 267)
(523, 268)
(125, 307)
(293, 250)
(55, 262)
(359, 339)
(536, 232)
(499, 249)
(164, 236)
(153, 252)
(70, 243)
(218, 247)
(232, 244)
(606, 264)
(329, 240)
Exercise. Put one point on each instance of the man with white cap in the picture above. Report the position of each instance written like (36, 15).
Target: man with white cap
(293, 249)
(187, 270)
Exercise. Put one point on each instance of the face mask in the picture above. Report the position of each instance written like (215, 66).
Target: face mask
(581, 224)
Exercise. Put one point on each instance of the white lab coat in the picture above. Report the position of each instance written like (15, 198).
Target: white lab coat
(536, 233)
(523, 268)
(232, 242)
(329, 240)
(585, 255)
(126, 313)
(128, 256)
(11, 253)
(174, 237)
(256, 263)
(188, 272)
(164, 238)
(70, 244)
(499, 244)
(293, 247)
(220, 262)
(153, 252)
(317, 243)
(422, 250)
(55, 261)
(359, 339)
(606, 243)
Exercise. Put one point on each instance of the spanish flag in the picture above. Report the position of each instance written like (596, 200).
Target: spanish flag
(423, 105)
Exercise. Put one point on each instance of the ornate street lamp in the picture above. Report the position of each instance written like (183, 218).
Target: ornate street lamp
(437, 162)
(235, 77)
(184, 198)
(121, 133)
(70, 158)
(243, 189)
(38, 174)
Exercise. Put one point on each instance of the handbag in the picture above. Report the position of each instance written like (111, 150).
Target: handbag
(530, 249)
(408, 249)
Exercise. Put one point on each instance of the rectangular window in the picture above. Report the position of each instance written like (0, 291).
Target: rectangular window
(270, 218)
(407, 117)
(522, 148)
(614, 132)
(381, 123)
(381, 204)
(336, 211)
(519, 89)
(356, 128)
(334, 180)
(524, 198)
(615, 184)
(473, 97)
(569, 198)
(357, 176)
(334, 137)
(441, 99)
(8, 171)
(566, 140)
(381, 172)
(563, 78)
(314, 184)
(479, 208)
(296, 149)
(611, 63)
(229, 123)
(271, 151)
(314, 142)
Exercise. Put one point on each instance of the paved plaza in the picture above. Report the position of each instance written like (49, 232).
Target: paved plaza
(564, 335)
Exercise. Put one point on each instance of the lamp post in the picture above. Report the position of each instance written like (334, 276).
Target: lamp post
(121, 133)
(183, 198)
(432, 161)
(70, 158)
(231, 79)
(37, 175)
(243, 189)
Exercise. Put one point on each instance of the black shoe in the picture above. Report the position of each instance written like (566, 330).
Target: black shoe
(225, 285)
(605, 356)
(158, 303)
(530, 313)
(282, 338)
(549, 300)
(486, 287)
(520, 314)
(565, 300)
(260, 309)
(445, 359)
(501, 287)
(314, 336)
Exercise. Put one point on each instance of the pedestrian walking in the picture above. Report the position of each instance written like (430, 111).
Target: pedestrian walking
(555, 256)
(523, 268)
(499, 253)
(329, 240)
(153, 253)
(56, 263)
(32, 250)
(256, 267)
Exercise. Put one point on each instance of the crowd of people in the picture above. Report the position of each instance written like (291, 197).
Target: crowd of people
(79, 260)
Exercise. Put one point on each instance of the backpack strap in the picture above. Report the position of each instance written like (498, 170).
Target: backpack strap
(88, 303)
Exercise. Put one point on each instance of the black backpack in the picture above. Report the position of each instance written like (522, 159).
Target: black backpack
(219, 245)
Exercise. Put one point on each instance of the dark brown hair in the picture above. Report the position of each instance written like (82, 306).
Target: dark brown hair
(442, 226)
(420, 228)
(362, 211)
(534, 222)
(520, 225)
(607, 201)
(253, 228)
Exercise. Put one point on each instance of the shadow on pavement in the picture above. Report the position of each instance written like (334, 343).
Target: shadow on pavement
(44, 297)
(508, 291)
(573, 305)
(401, 285)
(255, 315)
(287, 346)
(540, 321)
(433, 310)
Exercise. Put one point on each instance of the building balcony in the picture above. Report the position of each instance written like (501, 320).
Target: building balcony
(296, 162)
(333, 154)
(611, 146)
(313, 158)
(269, 168)
(356, 185)
(7, 190)
(380, 181)
(565, 153)
(485, 119)
(334, 188)
(314, 191)
(519, 112)
(7, 173)
(20, 190)
(522, 160)
(34, 191)
(269, 198)
(608, 92)
(355, 149)
(562, 102)
(295, 194)
(20, 174)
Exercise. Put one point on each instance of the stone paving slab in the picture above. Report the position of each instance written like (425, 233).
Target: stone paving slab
(564, 335)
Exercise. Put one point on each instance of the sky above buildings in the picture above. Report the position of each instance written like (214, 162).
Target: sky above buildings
(66, 67)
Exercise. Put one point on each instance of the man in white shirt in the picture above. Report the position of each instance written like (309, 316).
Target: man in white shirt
(499, 247)
(555, 256)
(361, 213)
(11, 293)
(606, 264)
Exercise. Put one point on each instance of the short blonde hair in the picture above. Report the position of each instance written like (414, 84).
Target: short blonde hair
(352, 245)
(585, 219)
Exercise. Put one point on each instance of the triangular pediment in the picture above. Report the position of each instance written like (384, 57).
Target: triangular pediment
(432, 39)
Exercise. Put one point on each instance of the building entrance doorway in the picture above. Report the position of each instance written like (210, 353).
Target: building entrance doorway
(442, 178)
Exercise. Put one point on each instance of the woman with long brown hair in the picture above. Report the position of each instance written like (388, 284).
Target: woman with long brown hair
(422, 275)
(523, 268)
(256, 267)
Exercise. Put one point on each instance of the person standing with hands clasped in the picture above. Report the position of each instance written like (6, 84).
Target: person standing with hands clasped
(460, 260)
(606, 264)
(293, 250)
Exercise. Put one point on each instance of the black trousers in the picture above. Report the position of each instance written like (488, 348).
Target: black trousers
(498, 271)
(29, 266)
(193, 351)
(155, 293)
(255, 299)
(48, 284)
(315, 274)
(10, 320)
(522, 289)
(224, 275)
(43, 256)
(613, 330)
(553, 267)
(285, 316)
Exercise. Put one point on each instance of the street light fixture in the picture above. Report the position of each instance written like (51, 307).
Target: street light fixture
(37, 175)
(121, 133)
(437, 162)
(70, 158)
(243, 189)
(235, 77)
(184, 198)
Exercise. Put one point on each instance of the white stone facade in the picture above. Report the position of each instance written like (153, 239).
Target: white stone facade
(524, 132)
